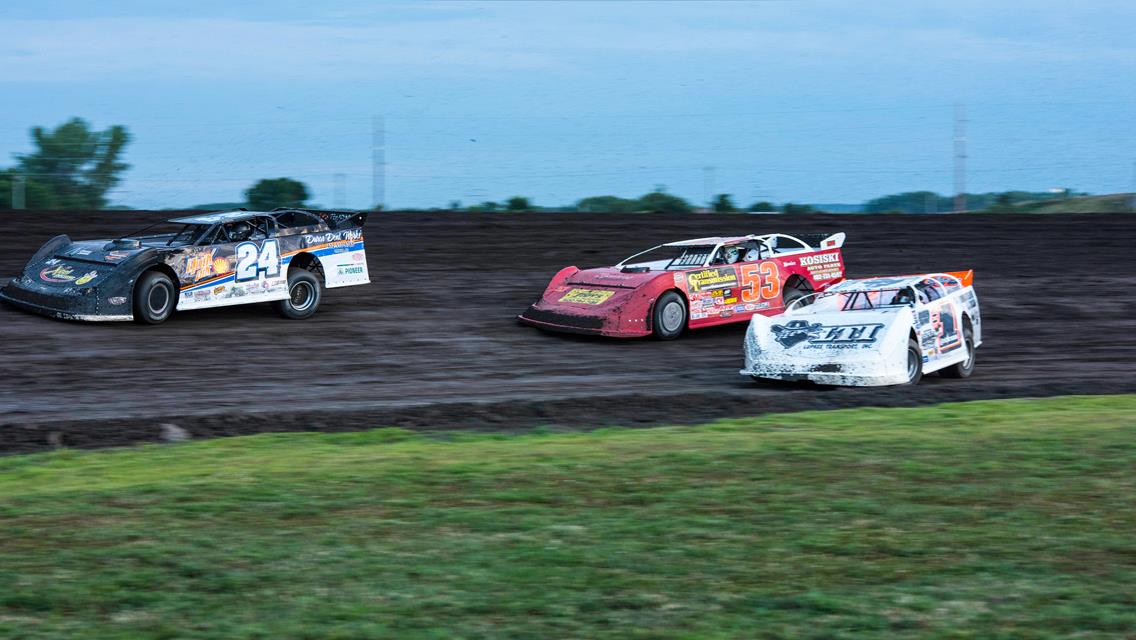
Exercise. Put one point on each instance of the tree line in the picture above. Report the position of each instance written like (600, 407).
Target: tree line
(74, 166)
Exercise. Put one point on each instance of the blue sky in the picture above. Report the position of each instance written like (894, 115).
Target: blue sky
(807, 101)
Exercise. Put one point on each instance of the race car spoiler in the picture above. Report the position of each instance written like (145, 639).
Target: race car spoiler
(334, 219)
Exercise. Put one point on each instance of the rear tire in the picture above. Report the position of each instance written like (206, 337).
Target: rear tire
(304, 294)
(914, 362)
(155, 297)
(794, 293)
(668, 318)
(966, 367)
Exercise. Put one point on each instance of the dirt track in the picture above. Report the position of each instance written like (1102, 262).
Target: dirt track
(432, 342)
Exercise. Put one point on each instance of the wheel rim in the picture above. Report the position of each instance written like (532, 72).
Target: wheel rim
(912, 364)
(302, 296)
(158, 300)
(969, 362)
(672, 316)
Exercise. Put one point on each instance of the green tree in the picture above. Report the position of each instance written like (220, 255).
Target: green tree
(276, 192)
(518, 203)
(72, 167)
(724, 204)
(762, 207)
(659, 201)
(797, 209)
(607, 204)
(36, 194)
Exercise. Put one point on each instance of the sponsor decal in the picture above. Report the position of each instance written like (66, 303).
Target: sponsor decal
(200, 266)
(117, 300)
(698, 316)
(712, 278)
(87, 277)
(730, 301)
(115, 256)
(587, 296)
(680, 280)
(220, 265)
(820, 258)
(349, 269)
(60, 273)
(741, 308)
(218, 290)
(348, 235)
(358, 257)
(79, 251)
(796, 332)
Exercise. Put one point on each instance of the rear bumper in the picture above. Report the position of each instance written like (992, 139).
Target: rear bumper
(63, 306)
(568, 323)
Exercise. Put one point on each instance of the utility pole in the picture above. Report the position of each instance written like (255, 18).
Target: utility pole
(960, 158)
(339, 190)
(378, 161)
(19, 191)
(708, 185)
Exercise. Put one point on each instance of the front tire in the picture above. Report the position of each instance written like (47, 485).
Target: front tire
(914, 362)
(668, 318)
(966, 367)
(304, 294)
(154, 298)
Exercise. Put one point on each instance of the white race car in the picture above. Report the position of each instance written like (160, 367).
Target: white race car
(871, 332)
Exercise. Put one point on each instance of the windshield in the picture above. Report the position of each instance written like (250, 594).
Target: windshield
(666, 258)
(856, 300)
(169, 234)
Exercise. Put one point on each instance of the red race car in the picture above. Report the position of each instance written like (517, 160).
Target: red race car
(693, 283)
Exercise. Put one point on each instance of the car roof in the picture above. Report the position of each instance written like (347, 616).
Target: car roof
(880, 282)
(219, 216)
(712, 240)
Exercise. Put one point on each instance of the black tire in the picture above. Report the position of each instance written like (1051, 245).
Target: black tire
(668, 318)
(304, 294)
(966, 367)
(155, 297)
(794, 293)
(914, 362)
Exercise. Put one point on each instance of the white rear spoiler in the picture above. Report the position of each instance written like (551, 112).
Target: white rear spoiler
(834, 241)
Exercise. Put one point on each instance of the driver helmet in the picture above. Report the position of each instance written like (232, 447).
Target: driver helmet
(730, 255)
(751, 254)
(240, 231)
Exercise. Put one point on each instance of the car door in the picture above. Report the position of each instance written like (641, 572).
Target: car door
(238, 262)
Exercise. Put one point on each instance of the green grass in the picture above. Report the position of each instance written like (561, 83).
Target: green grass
(1007, 519)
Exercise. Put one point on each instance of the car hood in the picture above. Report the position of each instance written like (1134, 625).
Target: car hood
(614, 278)
(63, 264)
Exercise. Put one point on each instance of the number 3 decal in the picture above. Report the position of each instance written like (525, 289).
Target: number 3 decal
(252, 260)
(760, 281)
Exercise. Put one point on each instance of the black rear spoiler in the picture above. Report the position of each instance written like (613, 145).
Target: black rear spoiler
(335, 219)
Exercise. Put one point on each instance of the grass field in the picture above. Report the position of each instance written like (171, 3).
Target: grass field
(1003, 519)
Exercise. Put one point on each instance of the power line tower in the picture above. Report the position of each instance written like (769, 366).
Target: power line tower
(708, 185)
(378, 161)
(339, 190)
(960, 158)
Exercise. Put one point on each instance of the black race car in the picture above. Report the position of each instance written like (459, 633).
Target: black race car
(284, 256)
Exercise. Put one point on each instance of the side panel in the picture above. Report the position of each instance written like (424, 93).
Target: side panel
(228, 274)
(341, 254)
(734, 293)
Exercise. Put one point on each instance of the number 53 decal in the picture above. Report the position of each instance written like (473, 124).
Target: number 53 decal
(760, 281)
(253, 260)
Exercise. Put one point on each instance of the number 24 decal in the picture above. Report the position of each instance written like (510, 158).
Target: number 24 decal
(253, 260)
(760, 281)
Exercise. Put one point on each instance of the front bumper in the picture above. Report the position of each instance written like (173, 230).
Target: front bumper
(72, 305)
(552, 320)
(826, 374)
